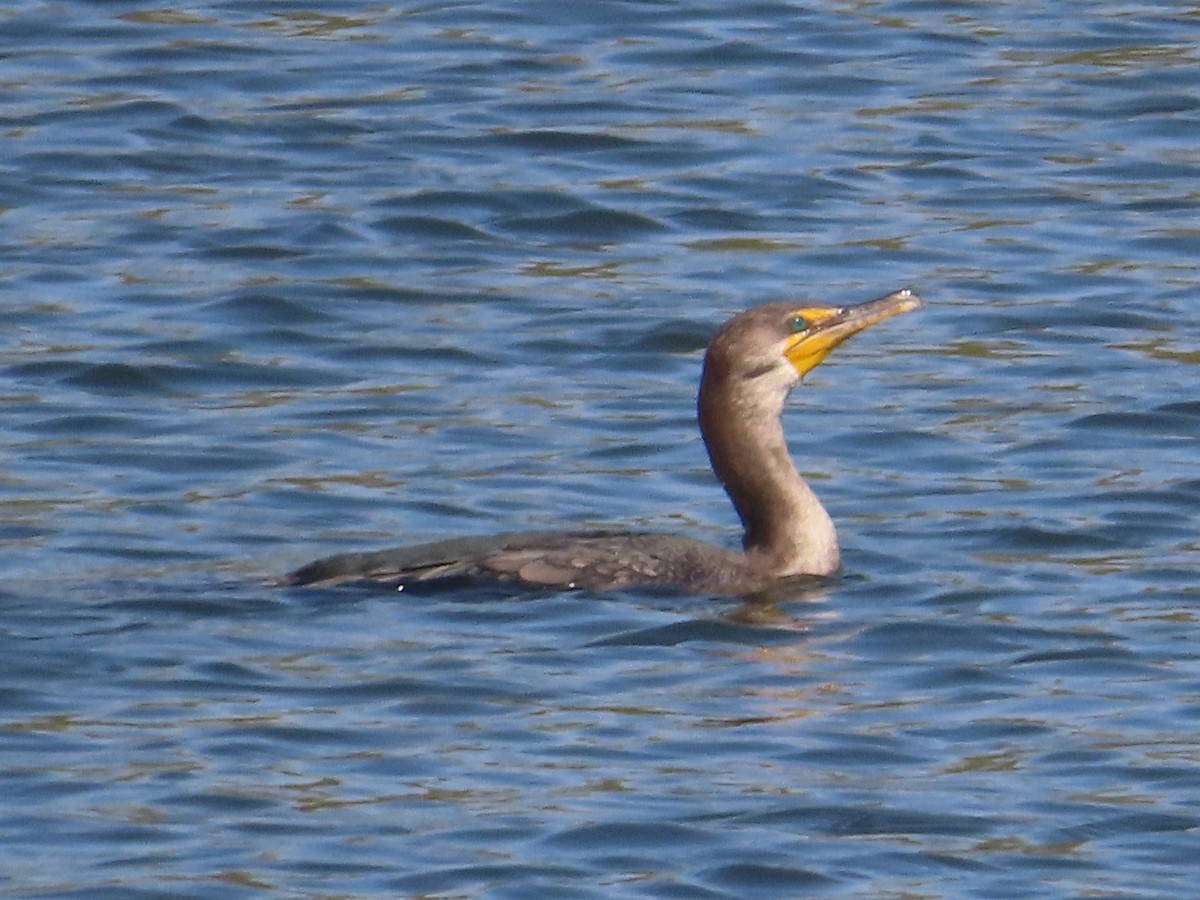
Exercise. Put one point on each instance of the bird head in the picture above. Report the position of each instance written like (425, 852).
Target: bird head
(782, 342)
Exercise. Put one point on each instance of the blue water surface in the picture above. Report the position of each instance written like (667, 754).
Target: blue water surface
(281, 280)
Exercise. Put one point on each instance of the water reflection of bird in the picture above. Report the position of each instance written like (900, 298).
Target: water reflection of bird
(752, 363)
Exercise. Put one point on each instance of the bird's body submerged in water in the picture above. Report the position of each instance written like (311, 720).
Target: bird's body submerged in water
(751, 365)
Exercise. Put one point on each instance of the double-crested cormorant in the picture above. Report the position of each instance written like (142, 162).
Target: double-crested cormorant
(752, 363)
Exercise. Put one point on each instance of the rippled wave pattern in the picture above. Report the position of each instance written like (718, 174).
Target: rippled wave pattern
(279, 280)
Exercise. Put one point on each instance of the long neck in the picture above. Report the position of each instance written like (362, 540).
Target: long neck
(787, 531)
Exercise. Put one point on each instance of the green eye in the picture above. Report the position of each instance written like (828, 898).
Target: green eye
(798, 324)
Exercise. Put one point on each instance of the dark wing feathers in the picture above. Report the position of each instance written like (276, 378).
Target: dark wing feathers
(454, 557)
(582, 559)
